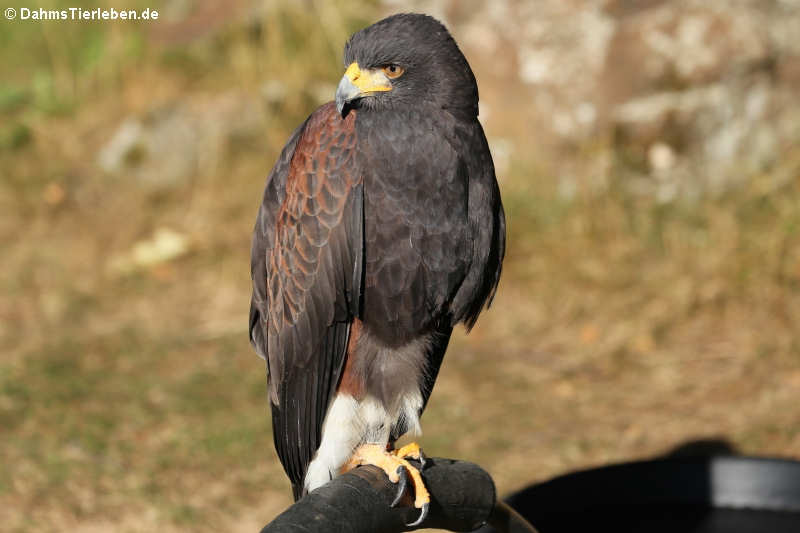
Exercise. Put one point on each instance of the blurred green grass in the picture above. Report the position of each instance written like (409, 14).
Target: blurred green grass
(132, 401)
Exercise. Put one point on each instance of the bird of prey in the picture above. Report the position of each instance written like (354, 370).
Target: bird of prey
(381, 228)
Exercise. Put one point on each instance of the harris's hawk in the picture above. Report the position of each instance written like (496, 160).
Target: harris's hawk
(380, 229)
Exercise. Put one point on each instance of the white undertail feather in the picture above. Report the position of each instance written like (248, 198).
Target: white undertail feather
(350, 423)
(341, 434)
(410, 406)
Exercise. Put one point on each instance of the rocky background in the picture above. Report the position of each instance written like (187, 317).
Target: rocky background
(677, 98)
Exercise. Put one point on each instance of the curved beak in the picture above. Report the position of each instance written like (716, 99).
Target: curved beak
(346, 92)
(357, 83)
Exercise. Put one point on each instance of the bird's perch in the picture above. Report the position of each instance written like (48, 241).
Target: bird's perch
(463, 498)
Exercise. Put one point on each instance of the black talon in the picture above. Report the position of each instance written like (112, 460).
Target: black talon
(422, 516)
(401, 486)
(422, 460)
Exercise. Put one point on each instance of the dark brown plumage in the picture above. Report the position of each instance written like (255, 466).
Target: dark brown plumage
(380, 229)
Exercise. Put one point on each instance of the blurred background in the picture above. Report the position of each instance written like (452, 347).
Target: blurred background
(648, 155)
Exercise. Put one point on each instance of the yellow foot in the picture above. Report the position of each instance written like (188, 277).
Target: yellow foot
(393, 463)
(411, 450)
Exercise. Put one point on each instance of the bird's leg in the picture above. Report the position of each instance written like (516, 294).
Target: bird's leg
(393, 465)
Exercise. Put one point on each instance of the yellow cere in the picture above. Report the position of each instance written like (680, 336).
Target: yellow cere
(353, 71)
(367, 81)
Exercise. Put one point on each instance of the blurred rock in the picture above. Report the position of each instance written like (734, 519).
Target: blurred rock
(177, 141)
(165, 245)
(128, 138)
(690, 96)
(661, 157)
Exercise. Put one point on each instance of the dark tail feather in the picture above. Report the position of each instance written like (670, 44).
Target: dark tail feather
(297, 491)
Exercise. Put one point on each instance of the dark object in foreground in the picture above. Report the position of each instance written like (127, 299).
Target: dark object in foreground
(462, 498)
(718, 494)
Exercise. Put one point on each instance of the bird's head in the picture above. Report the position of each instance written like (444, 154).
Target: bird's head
(406, 60)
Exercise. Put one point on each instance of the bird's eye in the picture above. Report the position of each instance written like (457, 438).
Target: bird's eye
(393, 71)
